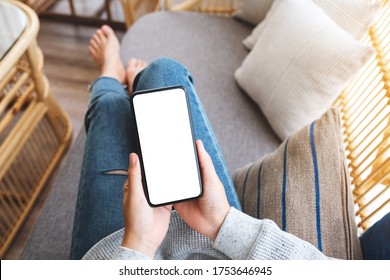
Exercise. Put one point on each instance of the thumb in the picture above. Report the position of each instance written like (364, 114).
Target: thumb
(134, 173)
(206, 164)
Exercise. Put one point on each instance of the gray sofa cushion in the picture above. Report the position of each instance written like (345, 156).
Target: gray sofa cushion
(211, 48)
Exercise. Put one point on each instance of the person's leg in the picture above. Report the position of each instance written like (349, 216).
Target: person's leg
(108, 144)
(110, 139)
(166, 72)
(375, 242)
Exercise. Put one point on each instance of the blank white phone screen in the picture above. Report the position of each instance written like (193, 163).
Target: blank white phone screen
(167, 146)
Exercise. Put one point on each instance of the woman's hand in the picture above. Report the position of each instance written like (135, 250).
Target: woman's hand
(145, 227)
(207, 213)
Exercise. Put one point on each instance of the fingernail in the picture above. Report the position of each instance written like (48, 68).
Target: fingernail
(133, 159)
(201, 144)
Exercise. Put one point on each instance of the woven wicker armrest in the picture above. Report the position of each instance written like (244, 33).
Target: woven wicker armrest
(224, 7)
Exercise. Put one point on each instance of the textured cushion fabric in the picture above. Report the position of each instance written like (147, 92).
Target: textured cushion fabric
(51, 236)
(299, 65)
(210, 47)
(304, 187)
(354, 16)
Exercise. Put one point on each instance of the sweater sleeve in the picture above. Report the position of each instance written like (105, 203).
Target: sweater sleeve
(123, 253)
(110, 248)
(244, 237)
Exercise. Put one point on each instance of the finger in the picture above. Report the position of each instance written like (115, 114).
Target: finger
(205, 162)
(126, 186)
(134, 174)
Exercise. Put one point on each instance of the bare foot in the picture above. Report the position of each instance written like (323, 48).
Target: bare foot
(133, 68)
(104, 49)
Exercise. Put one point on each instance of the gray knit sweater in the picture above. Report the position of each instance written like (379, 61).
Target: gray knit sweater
(240, 237)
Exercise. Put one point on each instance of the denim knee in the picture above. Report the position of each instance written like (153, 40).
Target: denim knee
(163, 72)
(110, 106)
(165, 63)
(111, 102)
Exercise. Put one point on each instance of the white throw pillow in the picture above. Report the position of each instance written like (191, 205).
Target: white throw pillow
(299, 65)
(354, 16)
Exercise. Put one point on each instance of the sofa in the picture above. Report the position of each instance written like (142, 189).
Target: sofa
(212, 58)
(211, 48)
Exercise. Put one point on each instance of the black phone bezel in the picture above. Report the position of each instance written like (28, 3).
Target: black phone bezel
(139, 150)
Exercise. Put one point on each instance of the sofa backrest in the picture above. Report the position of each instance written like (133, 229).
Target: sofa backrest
(365, 111)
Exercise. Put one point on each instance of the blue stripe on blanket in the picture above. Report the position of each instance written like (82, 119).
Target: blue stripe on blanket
(284, 186)
(317, 187)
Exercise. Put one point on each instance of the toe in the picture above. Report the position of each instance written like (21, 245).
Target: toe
(143, 64)
(100, 36)
(131, 63)
(93, 43)
(91, 50)
(140, 63)
(107, 30)
(96, 38)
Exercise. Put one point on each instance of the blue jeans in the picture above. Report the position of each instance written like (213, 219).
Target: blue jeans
(111, 138)
(375, 241)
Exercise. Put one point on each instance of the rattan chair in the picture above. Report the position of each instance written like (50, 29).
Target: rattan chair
(365, 109)
(216, 7)
(34, 131)
(39, 6)
(132, 10)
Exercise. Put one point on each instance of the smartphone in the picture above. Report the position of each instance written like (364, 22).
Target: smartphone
(166, 146)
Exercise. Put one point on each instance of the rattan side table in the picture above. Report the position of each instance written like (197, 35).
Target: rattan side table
(34, 131)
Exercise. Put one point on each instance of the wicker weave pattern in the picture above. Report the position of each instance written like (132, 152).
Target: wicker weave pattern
(39, 5)
(215, 7)
(134, 9)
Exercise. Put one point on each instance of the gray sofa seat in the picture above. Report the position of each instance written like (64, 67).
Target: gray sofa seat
(210, 47)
